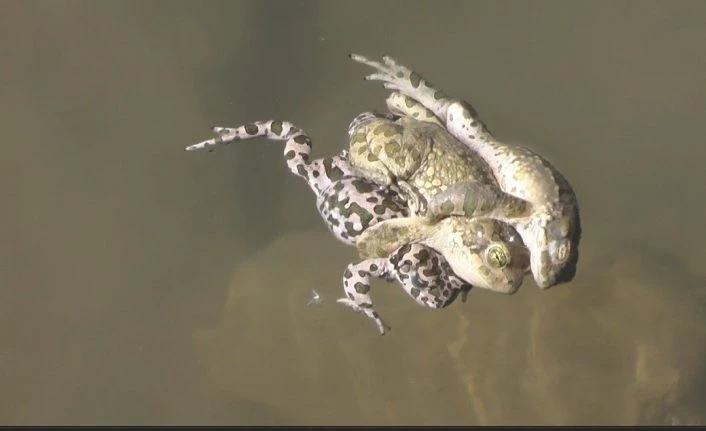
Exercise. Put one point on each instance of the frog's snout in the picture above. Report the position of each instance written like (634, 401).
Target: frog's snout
(514, 285)
(540, 264)
(548, 272)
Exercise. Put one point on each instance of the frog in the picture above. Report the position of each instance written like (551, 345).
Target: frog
(551, 230)
(423, 159)
(482, 251)
(349, 205)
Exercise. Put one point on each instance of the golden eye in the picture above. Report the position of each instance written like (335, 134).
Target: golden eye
(497, 255)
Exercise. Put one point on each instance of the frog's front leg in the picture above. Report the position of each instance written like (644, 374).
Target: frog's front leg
(473, 199)
(458, 116)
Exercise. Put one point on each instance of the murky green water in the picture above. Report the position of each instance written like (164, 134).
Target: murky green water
(144, 285)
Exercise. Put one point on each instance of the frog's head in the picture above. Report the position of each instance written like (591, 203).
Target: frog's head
(493, 256)
(507, 264)
(556, 252)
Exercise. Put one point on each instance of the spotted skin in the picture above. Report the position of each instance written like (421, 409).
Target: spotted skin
(479, 251)
(483, 252)
(421, 271)
(424, 157)
(349, 205)
(428, 164)
(552, 230)
(419, 155)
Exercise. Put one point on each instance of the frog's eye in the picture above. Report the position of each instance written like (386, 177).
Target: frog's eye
(562, 252)
(497, 255)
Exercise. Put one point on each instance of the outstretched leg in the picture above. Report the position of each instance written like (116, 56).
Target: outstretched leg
(458, 116)
(318, 173)
(421, 271)
(297, 150)
(348, 204)
(356, 285)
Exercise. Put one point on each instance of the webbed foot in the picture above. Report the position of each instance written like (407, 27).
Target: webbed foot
(368, 312)
(397, 77)
(356, 284)
(458, 116)
(297, 150)
(420, 270)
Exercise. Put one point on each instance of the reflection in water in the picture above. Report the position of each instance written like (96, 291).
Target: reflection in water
(603, 352)
(117, 249)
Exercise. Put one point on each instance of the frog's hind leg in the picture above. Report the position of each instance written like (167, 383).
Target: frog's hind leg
(421, 271)
(356, 285)
(297, 150)
(353, 204)
(459, 117)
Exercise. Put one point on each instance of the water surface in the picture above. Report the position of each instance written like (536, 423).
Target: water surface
(144, 285)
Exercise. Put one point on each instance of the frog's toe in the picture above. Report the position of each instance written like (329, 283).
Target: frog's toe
(225, 135)
(219, 130)
(366, 61)
(383, 327)
(208, 144)
(368, 312)
(465, 290)
(349, 303)
(387, 81)
(389, 61)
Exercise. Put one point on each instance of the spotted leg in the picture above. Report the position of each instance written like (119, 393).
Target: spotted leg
(347, 204)
(421, 271)
(356, 285)
(401, 105)
(353, 204)
(318, 174)
(459, 117)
